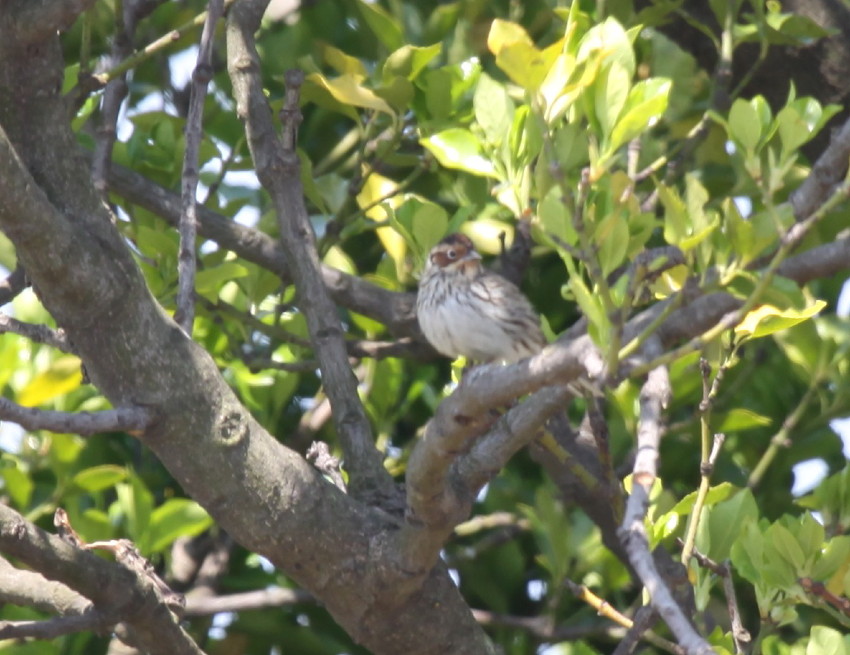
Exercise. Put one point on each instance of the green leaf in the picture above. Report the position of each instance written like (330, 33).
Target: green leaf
(208, 283)
(827, 641)
(446, 89)
(834, 558)
(343, 63)
(494, 109)
(799, 121)
(134, 505)
(16, 483)
(677, 225)
(409, 61)
(725, 521)
(611, 91)
(555, 216)
(176, 517)
(610, 41)
(98, 478)
(646, 103)
(420, 221)
(747, 553)
(591, 305)
(786, 546)
(739, 419)
(460, 149)
(744, 124)
(715, 495)
(382, 25)
(612, 238)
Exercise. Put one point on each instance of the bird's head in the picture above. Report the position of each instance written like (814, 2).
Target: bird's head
(455, 253)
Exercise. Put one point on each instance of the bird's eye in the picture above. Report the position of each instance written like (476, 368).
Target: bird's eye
(451, 254)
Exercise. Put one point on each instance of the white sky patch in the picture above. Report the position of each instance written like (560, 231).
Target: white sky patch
(744, 205)
(536, 589)
(842, 428)
(219, 624)
(808, 475)
(842, 308)
(182, 64)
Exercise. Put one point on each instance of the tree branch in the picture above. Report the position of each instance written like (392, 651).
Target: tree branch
(653, 398)
(249, 600)
(37, 19)
(186, 260)
(55, 627)
(123, 419)
(278, 168)
(123, 596)
(29, 588)
(828, 170)
(442, 480)
(391, 308)
(38, 333)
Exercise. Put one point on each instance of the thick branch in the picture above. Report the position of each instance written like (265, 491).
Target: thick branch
(111, 587)
(828, 170)
(37, 19)
(28, 588)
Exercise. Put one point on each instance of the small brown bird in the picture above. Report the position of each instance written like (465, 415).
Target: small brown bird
(466, 310)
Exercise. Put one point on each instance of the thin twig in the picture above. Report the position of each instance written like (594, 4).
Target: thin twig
(249, 600)
(124, 419)
(186, 260)
(55, 627)
(708, 455)
(782, 438)
(38, 333)
(653, 397)
(604, 608)
(740, 634)
(113, 97)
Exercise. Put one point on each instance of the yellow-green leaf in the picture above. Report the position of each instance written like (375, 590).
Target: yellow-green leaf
(460, 149)
(63, 376)
(767, 319)
(348, 90)
(517, 56)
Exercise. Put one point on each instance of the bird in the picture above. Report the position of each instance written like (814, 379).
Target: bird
(466, 310)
